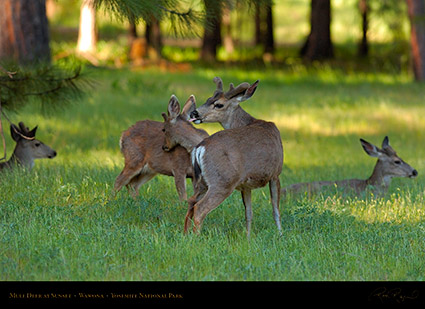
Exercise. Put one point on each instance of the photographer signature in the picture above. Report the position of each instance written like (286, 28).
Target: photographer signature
(395, 294)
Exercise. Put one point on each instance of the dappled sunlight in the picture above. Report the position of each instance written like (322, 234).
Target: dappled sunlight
(396, 210)
(399, 208)
(362, 121)
(309, 124)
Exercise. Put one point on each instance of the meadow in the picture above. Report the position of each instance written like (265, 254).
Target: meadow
(62, 220)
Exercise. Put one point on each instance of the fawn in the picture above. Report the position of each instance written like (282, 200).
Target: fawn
(245, 156)
(389, 165)
(27, 148)
(142, 148)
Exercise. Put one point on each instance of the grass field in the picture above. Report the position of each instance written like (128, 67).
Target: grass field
(61, 221)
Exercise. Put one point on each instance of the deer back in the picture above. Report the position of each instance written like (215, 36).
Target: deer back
(249, 156)
(143, 142)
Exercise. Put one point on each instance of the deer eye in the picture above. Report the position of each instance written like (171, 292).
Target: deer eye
(397, 162)
(37, 144)
(163, 130)
(218, 105)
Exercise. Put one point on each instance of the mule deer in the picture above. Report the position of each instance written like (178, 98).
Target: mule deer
(245, 156)
(27, 148)
(141, 146)
(177, 128)
(389, 165)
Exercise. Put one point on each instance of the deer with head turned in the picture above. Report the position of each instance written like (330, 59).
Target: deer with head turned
(245, 156)
(177, 129)
(27, 148)
(142, 148)
(389, 165)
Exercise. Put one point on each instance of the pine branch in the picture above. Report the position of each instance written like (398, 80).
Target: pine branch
(50, 86)
(135, 10)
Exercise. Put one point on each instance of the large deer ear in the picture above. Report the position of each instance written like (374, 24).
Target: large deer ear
(189, 107)
(14, 132)
(249, 92)
(370, 149)
(32, 132)
(173, 107)
(385, 142)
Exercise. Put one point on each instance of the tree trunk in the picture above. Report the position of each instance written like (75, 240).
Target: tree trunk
(87, 35)
(319, 45)
(264, 31)
(269, 37)
(257, 20)
(132, 31)
(364, 46)
(153, 37)
(212, 31)
(228, 43)
(24, 31)
(416, 10)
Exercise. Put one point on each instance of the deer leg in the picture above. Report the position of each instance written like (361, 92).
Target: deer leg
(138, 181)
(274, 186)
(124, 177)
(191, 203)
(200, 188)
(187, 219)
(180, 182)
(246, 198)
(212, 199)
(189, 215)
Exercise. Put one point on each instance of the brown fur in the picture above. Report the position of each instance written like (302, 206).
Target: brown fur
(141, 146)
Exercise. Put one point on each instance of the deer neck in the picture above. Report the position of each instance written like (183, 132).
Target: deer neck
(193, 139)
(378, 178)
(239, 118)
(20, 157)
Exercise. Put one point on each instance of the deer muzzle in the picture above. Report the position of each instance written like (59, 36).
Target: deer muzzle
(195, 117)
(414, 174)
(52, 154)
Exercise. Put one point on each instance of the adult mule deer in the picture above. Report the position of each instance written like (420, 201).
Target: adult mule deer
(245, 156)
(141, 146)
(27, 148)
(389, 165)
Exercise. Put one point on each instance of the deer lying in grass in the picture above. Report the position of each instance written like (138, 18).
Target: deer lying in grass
(245, 156)
(27, 148)
(389, 165)
(141, 146)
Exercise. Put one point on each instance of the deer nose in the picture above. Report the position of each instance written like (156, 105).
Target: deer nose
(165, 148)
(54, 153)
(194, 114)
(415, 173)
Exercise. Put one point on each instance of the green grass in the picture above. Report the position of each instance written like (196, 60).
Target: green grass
(61, 221)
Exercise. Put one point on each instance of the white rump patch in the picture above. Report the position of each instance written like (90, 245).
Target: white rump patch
(198, 156)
